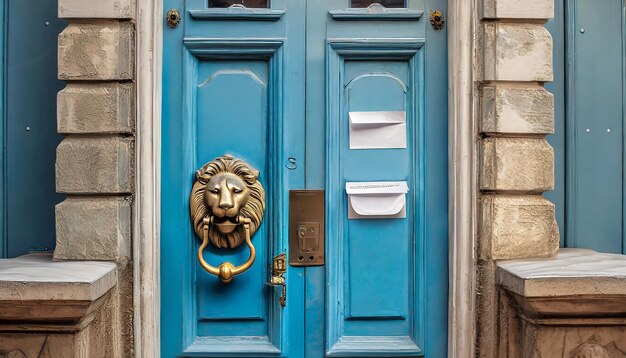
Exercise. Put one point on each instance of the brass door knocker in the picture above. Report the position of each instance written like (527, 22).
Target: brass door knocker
(227, 204)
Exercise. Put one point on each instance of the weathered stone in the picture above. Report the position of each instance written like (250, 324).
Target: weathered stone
(573, 306)
(95, 108)
(93, 228)
(486, 309)
(516, 165)
(522, 226)
(518, 9)
(95, 165)
(97, 9)
(517, 52)
(517, 110)
(96, 51)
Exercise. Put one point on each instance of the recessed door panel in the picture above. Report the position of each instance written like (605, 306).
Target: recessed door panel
(374, 261)
(231, 107)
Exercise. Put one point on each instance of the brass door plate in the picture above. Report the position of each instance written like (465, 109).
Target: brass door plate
(306, 227)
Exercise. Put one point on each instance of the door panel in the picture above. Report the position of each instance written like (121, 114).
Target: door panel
(375, 264)
(595, 180)
(230, 85)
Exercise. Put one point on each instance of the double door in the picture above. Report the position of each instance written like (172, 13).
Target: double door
(340, 96)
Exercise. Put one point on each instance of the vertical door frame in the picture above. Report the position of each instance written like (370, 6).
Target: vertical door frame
(462, 194)
(462, 177)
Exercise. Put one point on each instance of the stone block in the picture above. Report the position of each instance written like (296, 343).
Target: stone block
(102, 165)
(517, 226)
(517, 52)
(517, 109)
(518, 9)
(96, 51)
(93, 228)
(97, 9)
(95, 108)
(516, 165)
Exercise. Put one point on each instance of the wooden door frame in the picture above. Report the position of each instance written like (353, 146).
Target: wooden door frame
(462, 21)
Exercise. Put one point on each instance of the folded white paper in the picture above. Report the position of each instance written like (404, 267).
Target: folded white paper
(377, 200)
(377, 130)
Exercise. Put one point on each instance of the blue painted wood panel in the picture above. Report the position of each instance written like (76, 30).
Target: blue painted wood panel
(231, 87)
(595, 132)
(29, 113)
(275, 87)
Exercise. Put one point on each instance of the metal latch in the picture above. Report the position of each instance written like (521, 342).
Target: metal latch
(306, 227)
(278, 269)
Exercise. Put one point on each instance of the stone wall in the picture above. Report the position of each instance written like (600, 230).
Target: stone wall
(95, 162)
(516, 164)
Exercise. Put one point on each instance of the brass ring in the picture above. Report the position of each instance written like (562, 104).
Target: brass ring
(226, 271)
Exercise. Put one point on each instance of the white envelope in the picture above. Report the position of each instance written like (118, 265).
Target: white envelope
(377, 130)
(377, 200)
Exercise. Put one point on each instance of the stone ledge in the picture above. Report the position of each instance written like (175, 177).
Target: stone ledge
(36, 277)
(122, 9)
(574, 272)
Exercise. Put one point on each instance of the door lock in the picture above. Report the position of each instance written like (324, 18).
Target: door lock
(278, 269)
(306, 227)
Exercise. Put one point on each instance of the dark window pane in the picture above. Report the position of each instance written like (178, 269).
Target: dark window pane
(385, 3)
(246, 3)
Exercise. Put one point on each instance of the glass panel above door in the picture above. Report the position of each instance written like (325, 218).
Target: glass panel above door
(246, 3)
(385, 3)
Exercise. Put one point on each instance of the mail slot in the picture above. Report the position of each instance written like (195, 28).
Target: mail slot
(377, 200)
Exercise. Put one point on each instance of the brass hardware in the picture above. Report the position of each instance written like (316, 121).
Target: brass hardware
(437, 19)
(172, 18)
(306, 227)
(278, 269)
(227, 204)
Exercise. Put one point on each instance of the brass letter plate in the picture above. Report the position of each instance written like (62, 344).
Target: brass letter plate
(306, 227)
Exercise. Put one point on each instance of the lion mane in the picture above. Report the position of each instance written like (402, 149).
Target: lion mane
(253, 209)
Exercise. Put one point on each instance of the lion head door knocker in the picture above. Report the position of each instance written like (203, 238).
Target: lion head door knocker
(227, 205)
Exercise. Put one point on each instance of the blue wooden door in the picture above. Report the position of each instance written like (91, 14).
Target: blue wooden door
(288, 88)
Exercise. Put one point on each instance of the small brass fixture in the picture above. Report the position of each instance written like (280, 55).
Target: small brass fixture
(437, 20)
(278, 269)
(172, 18)
(227, 204)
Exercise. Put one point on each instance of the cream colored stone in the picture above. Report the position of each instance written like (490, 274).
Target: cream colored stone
(97, 9)
(96, 51)
(95, 108)
(517, 52)
(36, 277)
(95, 165)
(573, 272)
(518, 9)
(517, 226)
(93, 228)
(517, 109)
(516, 165)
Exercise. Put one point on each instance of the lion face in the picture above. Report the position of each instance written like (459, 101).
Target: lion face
(226, 190)
(225, 195)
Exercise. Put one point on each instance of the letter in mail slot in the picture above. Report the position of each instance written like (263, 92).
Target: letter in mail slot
(377, 200)
(377, 130)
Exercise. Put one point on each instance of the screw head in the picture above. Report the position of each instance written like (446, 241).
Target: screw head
(582, 30)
